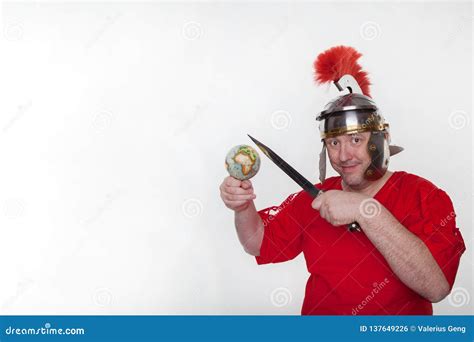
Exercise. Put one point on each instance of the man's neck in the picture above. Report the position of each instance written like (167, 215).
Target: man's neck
(370, 188)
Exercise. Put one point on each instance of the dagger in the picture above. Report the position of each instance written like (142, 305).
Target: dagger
(307, 186)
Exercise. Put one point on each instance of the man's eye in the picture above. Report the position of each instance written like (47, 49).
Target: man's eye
(333, 143)
(356, 140)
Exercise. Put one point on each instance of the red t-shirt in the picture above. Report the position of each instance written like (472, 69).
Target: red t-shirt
(349, 276)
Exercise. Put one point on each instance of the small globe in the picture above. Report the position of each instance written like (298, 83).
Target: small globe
(242, 162)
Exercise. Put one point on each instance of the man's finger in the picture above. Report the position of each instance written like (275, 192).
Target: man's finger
(246, 184)
(237, 190)
(316, 204)
(231, 181)
(240, 197)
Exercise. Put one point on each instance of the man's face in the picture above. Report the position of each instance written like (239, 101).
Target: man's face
(349, 157)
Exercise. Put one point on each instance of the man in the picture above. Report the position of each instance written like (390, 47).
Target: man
(408, 250)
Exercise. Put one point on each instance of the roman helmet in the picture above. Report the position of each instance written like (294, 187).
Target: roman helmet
(353, 111)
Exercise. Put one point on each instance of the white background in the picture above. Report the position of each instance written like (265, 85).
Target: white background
(115, 120)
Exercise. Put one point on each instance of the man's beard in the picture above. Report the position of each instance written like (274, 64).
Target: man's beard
(353, 180)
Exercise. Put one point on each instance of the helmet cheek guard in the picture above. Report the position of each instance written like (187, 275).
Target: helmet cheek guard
(379, 153)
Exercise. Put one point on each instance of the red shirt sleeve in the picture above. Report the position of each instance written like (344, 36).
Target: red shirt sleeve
(282, 239)
(435, 224)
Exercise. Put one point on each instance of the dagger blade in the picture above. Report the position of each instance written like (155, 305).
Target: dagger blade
(287, 168)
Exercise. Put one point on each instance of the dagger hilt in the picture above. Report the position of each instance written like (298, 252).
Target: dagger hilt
(352, 227)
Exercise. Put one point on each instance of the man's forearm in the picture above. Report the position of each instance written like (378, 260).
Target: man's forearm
(250, 229)
(407, 255)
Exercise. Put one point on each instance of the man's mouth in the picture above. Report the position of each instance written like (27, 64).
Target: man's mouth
(349, 168)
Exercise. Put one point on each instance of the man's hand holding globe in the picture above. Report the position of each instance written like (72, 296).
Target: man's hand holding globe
(242, 162)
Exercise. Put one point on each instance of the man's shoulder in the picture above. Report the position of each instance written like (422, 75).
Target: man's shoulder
(419, 188)
(410, 180)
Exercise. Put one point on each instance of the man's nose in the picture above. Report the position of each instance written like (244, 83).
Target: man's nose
(345, 153)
